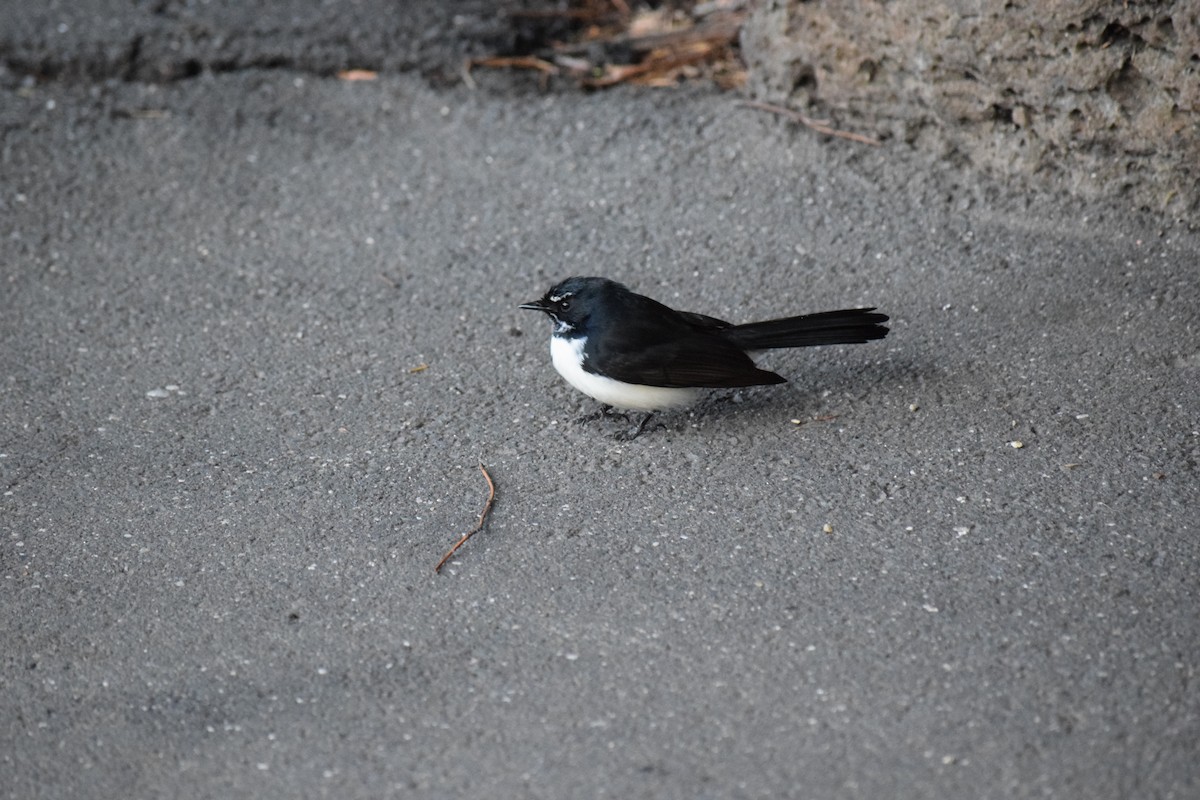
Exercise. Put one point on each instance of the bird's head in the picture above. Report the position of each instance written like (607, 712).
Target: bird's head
(571, 303)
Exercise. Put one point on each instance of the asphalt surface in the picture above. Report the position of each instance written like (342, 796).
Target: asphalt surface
(260, 329)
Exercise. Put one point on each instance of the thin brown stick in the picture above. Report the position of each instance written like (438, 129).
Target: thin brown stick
(622, 73)
(807, 122)
(513, 62)
(478, 525)
(517, 62)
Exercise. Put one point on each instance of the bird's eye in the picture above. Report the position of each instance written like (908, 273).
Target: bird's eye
(563, 305)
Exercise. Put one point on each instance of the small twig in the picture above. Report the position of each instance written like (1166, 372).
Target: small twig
(516, 62)
(622, 73)
(513, 62)
(358, 75)
(820, 418)
(478, 525)
(815, 125)
(721, 29)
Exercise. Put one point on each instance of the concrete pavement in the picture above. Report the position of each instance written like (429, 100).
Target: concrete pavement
(260, 326)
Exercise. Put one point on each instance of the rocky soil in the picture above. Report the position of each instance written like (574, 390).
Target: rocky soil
(1099, 98)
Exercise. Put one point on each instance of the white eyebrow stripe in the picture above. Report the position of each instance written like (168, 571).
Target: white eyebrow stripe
(554, 298)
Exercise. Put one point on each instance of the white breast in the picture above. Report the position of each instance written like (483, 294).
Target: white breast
(568, 356)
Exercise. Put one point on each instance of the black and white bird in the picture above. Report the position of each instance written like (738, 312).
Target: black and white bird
(631, 352)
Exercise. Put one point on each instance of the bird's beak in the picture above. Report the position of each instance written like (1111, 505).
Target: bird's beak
(536, 305)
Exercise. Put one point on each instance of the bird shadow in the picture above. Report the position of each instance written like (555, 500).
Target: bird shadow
(742, 410)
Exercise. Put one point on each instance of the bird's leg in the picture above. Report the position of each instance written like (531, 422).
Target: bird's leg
(636, 432)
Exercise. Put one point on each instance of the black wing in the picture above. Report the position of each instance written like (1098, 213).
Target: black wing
(662, 347)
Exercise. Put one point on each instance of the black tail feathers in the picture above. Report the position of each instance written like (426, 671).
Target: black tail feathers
(851, 326)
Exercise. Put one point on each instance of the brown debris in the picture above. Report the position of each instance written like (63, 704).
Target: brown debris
(650, 47)
(509, 62)
(516, 62)
(357, 75)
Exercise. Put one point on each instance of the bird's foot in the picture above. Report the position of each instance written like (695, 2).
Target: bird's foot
(630, 435)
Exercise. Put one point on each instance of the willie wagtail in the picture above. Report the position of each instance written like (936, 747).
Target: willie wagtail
(631, 352)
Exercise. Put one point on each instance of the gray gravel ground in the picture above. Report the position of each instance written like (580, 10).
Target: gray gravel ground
(226, 481)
